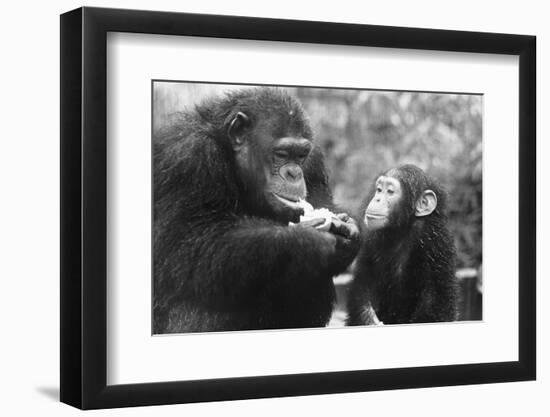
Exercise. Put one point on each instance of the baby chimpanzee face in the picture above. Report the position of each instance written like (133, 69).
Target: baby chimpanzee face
(401, 195)
(387, 196)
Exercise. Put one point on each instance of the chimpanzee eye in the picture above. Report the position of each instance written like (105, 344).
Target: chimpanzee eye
(302, 158)
(281, 154)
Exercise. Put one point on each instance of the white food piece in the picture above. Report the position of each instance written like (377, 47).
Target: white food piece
(310, 213)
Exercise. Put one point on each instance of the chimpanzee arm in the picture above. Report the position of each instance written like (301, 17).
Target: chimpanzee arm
(437, 301)
(424, 312)
(256, 255)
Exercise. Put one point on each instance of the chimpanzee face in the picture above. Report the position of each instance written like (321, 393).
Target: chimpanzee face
(387, 197)
(398, 202)
(284, 172)
(270, 156)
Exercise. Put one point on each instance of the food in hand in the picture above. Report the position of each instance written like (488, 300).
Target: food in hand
(311, 213)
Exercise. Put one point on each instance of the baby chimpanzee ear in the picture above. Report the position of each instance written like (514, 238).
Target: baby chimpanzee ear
(426, 204)
(236, 127)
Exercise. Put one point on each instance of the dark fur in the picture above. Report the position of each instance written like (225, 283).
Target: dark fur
(406, 270)
(221, 261)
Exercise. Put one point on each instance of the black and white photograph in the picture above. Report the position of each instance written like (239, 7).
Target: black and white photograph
(293, 207)
(275, 209)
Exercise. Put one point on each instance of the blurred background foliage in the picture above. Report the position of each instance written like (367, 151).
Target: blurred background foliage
(365, 132)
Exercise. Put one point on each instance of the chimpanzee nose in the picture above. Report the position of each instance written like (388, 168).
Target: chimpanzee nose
(292, 173)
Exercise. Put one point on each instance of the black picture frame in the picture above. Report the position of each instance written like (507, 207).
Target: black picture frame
(83, 207)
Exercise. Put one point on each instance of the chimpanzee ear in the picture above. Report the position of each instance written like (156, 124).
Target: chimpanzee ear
(426, 204)
(236, 128)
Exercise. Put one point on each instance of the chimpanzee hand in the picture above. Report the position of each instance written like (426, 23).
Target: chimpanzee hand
(346, 231)
(342, 240)
(308, 224)
(345, 226)
(326, 242)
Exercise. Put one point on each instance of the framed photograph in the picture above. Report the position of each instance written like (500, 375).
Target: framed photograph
(257, 208)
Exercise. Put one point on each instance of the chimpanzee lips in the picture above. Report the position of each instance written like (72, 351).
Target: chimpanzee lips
(289, 201)
(374, 220)
(375, 216)
(288, 197)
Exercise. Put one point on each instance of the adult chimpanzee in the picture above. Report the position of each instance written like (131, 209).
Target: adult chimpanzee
(405, 268)
(228, 177)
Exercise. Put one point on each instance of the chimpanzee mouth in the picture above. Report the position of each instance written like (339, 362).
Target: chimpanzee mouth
(292, 202)
(374, 220)
(375, 216)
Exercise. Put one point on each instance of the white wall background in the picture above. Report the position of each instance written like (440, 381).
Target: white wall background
(29, 225)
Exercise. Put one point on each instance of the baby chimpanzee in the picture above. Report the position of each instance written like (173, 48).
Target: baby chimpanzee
(405, 270)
